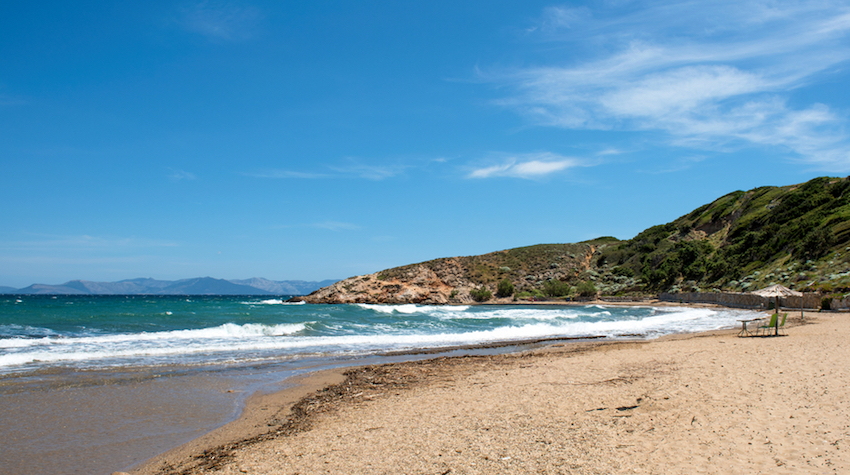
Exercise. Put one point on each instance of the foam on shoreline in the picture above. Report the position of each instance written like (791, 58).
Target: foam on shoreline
(344, 331)
(650, 388)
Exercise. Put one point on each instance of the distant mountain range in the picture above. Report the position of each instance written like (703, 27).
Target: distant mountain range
(195, 286)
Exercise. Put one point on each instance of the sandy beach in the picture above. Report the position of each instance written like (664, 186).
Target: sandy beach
(704, 403)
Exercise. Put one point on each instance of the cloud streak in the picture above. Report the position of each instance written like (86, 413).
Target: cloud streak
(282, 174)
(46, 243)
(222, 21)
(354, 167)
(708, 77)
(528, 166)
(6, 100)
(351, 168)
(179, 175)
(335, 226)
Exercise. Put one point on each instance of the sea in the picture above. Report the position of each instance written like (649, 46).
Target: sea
(74, 369)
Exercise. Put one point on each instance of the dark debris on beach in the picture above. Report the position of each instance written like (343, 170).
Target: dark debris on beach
(361, 385)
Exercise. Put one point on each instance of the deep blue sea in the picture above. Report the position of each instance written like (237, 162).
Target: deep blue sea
(40, 332)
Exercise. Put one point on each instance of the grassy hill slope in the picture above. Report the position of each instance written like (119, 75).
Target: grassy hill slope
(796, 235)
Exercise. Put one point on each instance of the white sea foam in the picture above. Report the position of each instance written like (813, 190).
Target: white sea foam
(251, 340)
(273, 302)
(455, 308)
(22, 342)
(405, 308)
(228, 330)
(510, 313)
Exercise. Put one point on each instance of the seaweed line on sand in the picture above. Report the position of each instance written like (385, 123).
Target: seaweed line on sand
(361, 384)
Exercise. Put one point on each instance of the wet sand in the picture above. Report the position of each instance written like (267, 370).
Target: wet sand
(96, 422)
(705, 403)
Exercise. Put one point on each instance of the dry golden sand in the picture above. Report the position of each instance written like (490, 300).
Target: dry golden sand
(707, 403)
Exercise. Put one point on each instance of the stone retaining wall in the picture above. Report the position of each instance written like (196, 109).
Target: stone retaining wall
(840, 304)
(742, 300)
(607, 298)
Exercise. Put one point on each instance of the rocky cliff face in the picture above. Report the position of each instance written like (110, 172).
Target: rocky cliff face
(450, 280)
(416, 284)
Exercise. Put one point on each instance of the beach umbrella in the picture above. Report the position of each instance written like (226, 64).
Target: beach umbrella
(779, 291)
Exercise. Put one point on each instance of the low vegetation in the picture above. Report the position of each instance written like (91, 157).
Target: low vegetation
(586, 289)
(480, 294)
(556, 288)
(797, 235)
(505, 288)
(766, 235)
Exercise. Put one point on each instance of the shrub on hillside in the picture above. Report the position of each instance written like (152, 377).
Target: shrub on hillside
(586, 289)
(480, 294)
(556, 288)
(533, 293)
(505, 289)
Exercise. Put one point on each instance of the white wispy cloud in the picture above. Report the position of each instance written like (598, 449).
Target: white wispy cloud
(222, 20)
(709, 75)
(54, 261)
(335, 226)
(526, 166)
(610, 151)
(329, 225)
(7, 100)
(285, 174)
(354, 167)
(178, 175)
(47, 243)
(348, 168)
(676, 165)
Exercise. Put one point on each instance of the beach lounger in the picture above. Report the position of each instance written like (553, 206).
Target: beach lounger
(782, 324)
(766, 328)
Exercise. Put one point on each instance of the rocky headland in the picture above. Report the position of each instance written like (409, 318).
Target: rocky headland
(796, 235)
(454, 280)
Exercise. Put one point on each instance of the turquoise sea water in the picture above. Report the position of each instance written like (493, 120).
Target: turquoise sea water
(90, 332)
(97, 384)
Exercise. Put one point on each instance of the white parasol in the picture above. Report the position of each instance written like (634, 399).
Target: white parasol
(779, 291)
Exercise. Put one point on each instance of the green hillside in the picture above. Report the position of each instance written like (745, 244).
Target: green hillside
(795, 235)
(541, 270)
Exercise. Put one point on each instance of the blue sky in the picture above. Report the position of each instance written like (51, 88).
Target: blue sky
(317, 140)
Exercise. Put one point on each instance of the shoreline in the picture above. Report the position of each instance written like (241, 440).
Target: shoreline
(264, 408)
(329, 386)
(116, 417)
(258, 413)
(320, 396)
(328, 389)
